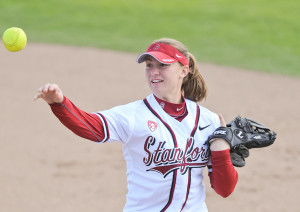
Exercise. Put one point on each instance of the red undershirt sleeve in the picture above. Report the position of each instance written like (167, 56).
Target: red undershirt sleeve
(85, 125)
(223, 177)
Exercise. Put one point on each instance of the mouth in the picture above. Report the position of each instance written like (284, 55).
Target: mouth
(156, 81)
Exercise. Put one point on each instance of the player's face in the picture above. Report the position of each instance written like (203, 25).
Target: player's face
(165, 80)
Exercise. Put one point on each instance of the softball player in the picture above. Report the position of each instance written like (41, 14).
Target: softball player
(163, 136)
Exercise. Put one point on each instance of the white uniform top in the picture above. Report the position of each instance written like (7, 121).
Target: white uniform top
(165, 158)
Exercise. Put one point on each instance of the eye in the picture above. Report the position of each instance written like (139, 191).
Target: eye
(149, 65)
(164, 65)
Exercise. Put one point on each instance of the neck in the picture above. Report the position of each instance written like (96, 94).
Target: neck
(173, 99)
(176, 110)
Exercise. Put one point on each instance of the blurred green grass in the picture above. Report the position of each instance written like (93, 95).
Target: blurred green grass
(261, 35)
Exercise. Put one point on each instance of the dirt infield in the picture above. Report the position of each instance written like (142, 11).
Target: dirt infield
(44, 167)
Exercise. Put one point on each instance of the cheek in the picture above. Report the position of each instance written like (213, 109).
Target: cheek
(147, 76)
(146, 73)
(176, 74)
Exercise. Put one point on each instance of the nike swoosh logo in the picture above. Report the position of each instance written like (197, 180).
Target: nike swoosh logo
(177, 109)
(202, 128)
(178, 56)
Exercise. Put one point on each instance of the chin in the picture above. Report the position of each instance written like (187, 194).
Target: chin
(157, 93)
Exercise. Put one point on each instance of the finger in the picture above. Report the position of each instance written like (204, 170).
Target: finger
(37, 96)
(45, 88)
(222, 121)
(41, 89)
(52, 87)
(40, 92)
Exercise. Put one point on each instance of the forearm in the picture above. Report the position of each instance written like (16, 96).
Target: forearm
(223, 177)
(86, 125)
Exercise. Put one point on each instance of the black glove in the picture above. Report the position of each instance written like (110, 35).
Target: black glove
(243, 134)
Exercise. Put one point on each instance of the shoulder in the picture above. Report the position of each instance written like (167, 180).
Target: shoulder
(203, 110)
(129, 106)
(206, 115)
(210, 116)
(206, 112)
(124, 110)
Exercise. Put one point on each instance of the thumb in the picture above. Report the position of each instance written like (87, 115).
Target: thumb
(222, 121)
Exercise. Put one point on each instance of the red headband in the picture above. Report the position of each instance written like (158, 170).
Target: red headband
(164, 53)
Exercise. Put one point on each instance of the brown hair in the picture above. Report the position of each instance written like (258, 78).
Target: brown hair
(193, 85)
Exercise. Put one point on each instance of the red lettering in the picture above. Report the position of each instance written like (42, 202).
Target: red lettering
(178, 154)
(168, 159)
(149, 141)
(204, 153)
(195, 154)
(158, 153)
(166, 155)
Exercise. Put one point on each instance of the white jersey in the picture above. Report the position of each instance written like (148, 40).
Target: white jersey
(165, 158)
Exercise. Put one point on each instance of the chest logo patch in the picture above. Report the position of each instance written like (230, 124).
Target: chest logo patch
(152, 125)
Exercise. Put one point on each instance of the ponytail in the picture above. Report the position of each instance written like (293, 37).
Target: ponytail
(193, 85)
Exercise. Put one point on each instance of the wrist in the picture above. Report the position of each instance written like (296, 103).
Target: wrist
(60, 101)
(219, 145)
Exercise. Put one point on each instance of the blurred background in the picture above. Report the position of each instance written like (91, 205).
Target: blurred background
(260, 35)
(248, 53)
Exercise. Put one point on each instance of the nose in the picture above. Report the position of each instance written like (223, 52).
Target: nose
(154, 71)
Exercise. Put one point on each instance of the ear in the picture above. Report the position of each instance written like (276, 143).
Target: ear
(185, 71)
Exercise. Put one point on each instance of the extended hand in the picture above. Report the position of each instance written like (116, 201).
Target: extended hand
(51, 93)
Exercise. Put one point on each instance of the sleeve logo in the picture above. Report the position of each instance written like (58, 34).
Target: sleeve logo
(152, 125)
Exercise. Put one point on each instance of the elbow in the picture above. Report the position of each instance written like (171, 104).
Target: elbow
(227, 187)
(226, 193)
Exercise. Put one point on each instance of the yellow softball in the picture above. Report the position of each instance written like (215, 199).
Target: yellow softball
(14, 39)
